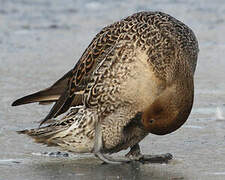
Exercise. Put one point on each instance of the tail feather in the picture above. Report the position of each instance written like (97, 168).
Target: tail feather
(42, 135)
(75, 132)
(47, 133)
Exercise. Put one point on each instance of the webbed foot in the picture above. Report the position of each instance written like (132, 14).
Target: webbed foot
(135, 155)
(161, 158)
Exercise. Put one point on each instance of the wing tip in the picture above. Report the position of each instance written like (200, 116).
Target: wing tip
(23, 131)
(25, 100)
(16, 103)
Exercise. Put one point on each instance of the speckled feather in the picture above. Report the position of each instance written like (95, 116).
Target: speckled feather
(124, 69)
(159, 35)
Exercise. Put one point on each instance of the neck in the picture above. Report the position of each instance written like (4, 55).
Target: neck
(171, 109)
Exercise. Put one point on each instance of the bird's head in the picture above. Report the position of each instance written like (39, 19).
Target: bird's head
(167, 113)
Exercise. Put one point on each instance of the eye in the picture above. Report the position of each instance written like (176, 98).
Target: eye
(151, 121)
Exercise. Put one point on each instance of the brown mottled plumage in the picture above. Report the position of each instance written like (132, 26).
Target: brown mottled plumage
(135, 78)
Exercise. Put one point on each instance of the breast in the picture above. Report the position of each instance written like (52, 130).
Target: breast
(142, 86)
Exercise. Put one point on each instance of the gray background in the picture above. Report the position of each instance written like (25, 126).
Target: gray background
(41, 40)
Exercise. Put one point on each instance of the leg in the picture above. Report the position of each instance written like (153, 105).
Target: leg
(135, 154)
(98, 147)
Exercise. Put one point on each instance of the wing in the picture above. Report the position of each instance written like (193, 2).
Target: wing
(105, 87)
(80, 75)
(47, 95)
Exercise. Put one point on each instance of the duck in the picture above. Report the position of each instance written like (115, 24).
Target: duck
(134, 79)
